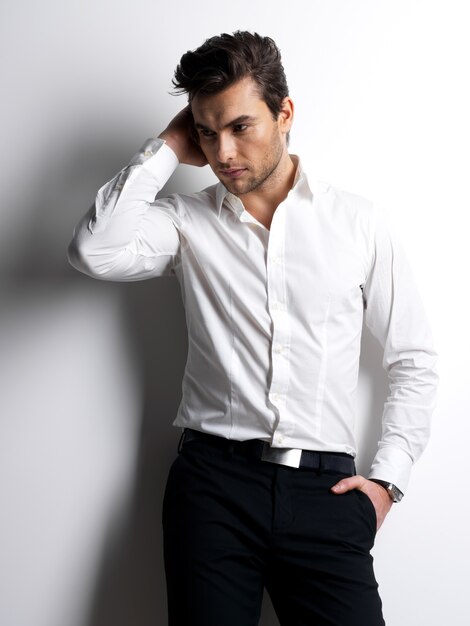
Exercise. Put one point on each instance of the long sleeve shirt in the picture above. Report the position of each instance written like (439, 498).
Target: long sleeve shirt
(274, 316)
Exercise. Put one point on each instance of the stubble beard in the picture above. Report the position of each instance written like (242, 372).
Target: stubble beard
(264, 177)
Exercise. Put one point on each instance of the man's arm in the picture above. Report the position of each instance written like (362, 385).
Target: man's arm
(395, 316)
(127, 235)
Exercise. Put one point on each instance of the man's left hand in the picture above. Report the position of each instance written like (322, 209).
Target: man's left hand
(380, 499)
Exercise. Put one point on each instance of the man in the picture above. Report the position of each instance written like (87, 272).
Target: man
(277, 272)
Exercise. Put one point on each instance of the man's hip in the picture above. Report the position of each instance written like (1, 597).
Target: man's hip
(234, 524)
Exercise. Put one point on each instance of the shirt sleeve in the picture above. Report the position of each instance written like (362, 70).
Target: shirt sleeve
(127, 234)
(395, 316)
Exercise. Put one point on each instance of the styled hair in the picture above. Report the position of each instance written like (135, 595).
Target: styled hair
(223, 60)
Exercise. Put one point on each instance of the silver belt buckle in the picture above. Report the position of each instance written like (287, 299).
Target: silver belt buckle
(281, 456)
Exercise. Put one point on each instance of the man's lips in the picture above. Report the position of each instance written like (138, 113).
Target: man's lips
(233, 172)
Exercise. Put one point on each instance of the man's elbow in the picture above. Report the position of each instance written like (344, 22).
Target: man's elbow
(83, 261)
(73, 255)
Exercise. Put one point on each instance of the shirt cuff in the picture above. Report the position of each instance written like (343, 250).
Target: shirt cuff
(156, 157)
(392, 465)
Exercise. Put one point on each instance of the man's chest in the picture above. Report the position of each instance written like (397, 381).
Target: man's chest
(306, 262)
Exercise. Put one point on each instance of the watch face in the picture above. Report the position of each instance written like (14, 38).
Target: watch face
(396, 493)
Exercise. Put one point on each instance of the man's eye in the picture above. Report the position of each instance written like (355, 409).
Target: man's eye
(239, 128)
(206, 133)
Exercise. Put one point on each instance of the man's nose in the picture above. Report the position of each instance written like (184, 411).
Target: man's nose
(225, 148)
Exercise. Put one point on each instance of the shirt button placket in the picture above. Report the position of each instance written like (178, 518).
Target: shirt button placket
(281, 327)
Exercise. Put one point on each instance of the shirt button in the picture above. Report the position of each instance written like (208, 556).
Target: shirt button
(148, 153)
(278, 349)
(275, 397)
(280, 439)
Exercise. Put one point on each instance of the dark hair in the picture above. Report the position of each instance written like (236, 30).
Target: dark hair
(225, 59)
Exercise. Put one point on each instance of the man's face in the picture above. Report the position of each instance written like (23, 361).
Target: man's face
(241, 141)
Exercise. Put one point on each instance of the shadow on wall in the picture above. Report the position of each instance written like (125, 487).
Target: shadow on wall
(130, 585)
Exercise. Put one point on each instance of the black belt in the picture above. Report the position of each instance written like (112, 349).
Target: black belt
(256, 449)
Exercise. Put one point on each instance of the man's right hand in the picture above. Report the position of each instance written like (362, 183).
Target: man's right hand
(179, 137)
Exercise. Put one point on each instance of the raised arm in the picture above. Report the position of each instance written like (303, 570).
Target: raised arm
(127, 234)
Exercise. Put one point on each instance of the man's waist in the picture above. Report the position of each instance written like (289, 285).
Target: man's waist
(256, 449)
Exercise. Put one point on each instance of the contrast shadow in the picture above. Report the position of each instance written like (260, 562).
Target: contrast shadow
(130, 586)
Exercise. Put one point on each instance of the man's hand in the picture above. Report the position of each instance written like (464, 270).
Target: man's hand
(180, 138)
(380, 499)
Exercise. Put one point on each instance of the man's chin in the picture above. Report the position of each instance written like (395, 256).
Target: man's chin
(239, 187)
(236, 188)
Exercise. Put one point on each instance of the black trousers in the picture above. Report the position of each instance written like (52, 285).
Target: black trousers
(232, 526)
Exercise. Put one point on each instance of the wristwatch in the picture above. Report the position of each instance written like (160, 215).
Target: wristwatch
(393, 491)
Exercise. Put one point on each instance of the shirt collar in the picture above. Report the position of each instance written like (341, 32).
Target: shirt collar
(224, 197)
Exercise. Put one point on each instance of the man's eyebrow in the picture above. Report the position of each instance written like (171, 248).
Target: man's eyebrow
(238, 120)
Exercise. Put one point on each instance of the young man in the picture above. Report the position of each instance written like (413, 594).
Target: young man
(277, 272)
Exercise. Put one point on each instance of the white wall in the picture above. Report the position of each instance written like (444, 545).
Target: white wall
(90, 371)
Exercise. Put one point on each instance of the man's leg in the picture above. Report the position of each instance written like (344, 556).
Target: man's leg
(321, 570)
(216, 516)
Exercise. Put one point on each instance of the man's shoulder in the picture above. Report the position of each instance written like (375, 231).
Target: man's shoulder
(194, 207)
(335, 195)
(337, 201)
(349, 200)
(206, 197)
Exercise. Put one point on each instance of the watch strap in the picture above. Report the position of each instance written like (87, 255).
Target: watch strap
(395, 494)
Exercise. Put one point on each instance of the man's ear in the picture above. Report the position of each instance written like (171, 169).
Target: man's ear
(286, 115)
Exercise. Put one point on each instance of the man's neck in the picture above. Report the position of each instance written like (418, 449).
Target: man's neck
(263, 202)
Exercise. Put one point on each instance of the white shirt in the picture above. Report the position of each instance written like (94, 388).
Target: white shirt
(274, 316)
